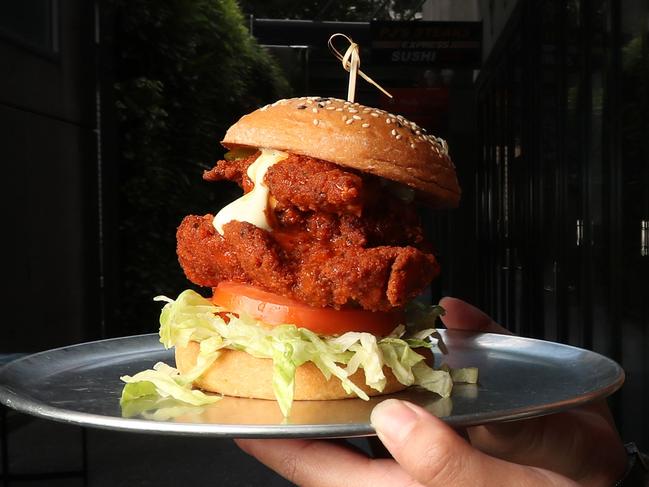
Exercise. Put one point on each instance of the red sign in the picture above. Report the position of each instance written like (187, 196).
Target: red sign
(423, 43)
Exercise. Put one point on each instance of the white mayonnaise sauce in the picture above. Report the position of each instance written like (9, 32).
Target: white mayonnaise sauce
(251, 207)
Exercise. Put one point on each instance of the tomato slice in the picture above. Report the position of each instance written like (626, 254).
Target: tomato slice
(274, 309)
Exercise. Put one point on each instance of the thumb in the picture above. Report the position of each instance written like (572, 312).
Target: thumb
(434, 455)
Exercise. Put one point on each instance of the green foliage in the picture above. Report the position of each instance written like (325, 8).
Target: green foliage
(185, 70)
(358, 10)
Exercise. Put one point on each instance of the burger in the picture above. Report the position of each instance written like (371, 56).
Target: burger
(311, 275)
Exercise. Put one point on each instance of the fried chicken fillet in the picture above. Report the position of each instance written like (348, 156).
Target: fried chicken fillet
(340, 238)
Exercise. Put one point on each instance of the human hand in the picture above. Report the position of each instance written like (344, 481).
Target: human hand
(581, 445)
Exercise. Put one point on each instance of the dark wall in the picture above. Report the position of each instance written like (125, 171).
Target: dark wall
(563, 184)
(47, 192)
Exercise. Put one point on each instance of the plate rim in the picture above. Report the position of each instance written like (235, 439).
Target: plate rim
(35, 407)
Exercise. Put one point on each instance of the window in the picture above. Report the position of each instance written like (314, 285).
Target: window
(31, 23)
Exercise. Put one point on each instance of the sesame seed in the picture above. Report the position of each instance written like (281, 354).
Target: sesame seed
(315, 122)
(330, 108)
(353, 110)
(344, 117)
(374, 114)
(394, 132)
(339, 109)
(412, 146)
(349, 121)
(367, 110)
(365, 125)
(356, 117)
(388, 120)
(418, 132)
(314, 110)
(309, 102)
(399, 137)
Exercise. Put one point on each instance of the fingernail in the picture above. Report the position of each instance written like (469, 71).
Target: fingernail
(393, 419)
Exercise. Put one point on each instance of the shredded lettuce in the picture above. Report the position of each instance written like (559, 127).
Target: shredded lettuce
(152, 406)
(164, 381)
(467, 375)
(438, 380)
(193, 318)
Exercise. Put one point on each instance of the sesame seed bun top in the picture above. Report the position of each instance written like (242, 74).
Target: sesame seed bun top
(355, 136)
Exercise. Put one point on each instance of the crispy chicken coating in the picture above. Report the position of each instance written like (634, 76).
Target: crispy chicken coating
(300, 181)
(339, 239)
(316, 273)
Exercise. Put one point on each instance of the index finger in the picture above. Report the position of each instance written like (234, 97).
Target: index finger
(320, 463)
(461, 315)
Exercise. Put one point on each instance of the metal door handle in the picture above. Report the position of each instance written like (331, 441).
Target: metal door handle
(644, 238)
(580, 232)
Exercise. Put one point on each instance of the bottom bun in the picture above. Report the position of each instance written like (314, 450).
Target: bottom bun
(239, 374)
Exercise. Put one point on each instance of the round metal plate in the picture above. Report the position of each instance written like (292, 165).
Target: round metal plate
(519, 378)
